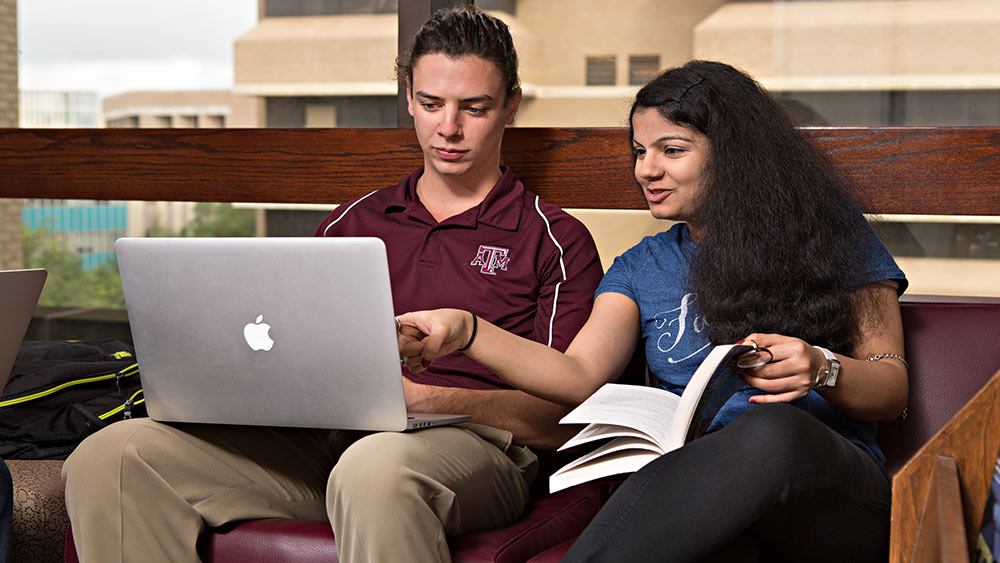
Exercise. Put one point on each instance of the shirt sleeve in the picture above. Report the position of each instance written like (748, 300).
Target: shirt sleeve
(568, 280)
(620, 276)
(879, 263)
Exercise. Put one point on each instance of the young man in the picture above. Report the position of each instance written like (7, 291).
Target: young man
(460, 232)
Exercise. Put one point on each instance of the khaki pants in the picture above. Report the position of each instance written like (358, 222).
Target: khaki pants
(140, 490)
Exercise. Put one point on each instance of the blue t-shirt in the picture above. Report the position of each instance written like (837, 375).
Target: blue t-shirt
(654, 274)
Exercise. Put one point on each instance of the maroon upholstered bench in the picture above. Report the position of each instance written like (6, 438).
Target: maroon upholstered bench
(952, 352)
(548, 520)
(951, 345)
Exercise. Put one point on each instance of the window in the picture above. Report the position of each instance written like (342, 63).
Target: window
(601, 71)
(642, 69)
(321, 115)
(509, 6)
(282, 8)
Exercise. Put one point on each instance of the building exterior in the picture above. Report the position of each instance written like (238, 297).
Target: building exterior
(838, 62)
(319, 70)
(875, 62)
(201, 109)
(584, 70)
(11, 245)
(47, 109)
(330, 63)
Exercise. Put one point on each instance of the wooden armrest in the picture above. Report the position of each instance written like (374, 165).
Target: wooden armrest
(942, 527)
(924, 494)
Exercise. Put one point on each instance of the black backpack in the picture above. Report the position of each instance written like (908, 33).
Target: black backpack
(61, 392)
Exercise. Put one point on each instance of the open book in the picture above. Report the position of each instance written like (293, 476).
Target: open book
(647, 422)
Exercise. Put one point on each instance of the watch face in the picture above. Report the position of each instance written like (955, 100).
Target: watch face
(834, 371)
(824, 376)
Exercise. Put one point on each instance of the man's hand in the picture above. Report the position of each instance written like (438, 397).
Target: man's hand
(411, 343)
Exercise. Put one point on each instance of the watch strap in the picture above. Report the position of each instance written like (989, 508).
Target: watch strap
(827, 376)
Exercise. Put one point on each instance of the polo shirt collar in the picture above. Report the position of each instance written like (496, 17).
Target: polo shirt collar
(501, 208)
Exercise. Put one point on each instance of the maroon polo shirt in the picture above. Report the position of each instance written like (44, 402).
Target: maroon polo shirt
(514, 260)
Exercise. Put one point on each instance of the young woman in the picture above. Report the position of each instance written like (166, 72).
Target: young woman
(769, 248)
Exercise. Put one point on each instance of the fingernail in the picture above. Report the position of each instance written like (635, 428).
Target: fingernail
(742, 340)
(752, 400)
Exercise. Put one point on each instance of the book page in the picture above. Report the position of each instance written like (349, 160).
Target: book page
(625, 461)
(594, 432)
(646, 409)
(616, 445)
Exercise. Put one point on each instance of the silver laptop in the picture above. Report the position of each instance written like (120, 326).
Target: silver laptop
(267, 331)
(19, 291)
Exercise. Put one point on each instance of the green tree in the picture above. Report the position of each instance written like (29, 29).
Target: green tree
(220, 220)
(69, 284)
(211, 220)
(158, 230)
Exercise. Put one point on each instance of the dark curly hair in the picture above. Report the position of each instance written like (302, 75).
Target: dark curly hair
(464, 30)
(783, 234)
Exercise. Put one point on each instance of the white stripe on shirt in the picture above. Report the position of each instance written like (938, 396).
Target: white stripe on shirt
(351, 206)
(562, 266)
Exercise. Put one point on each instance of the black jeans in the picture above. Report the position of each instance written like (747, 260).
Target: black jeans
(775, 485)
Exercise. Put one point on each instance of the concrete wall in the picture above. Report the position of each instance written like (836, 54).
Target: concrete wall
(554, 38)
(11, 243)
(845, 45)
(11, 238)
(8, 63)
(317, 55)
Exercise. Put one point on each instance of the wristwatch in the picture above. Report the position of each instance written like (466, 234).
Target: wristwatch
(827, 376)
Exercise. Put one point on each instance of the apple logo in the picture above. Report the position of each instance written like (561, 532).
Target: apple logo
(256, 335)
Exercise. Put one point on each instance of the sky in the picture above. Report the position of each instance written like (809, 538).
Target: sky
(114, 46)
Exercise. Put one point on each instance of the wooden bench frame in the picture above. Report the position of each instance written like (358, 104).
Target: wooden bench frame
(924, 170)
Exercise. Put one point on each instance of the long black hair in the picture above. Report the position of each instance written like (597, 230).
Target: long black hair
(782, 238)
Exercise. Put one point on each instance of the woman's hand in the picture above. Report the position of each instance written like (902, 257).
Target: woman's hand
(792, 372)
(427, 335)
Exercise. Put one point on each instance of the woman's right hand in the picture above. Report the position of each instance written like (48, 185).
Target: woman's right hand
(427, 335)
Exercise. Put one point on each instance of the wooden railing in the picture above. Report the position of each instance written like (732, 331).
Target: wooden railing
(948, 171)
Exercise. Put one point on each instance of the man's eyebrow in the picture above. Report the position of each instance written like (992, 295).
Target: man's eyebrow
(472, 100)
(477, 99)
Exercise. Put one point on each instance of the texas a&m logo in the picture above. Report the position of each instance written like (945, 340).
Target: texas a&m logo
(491, 259)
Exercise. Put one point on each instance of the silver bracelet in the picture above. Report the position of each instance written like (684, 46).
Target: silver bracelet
(877, 357)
